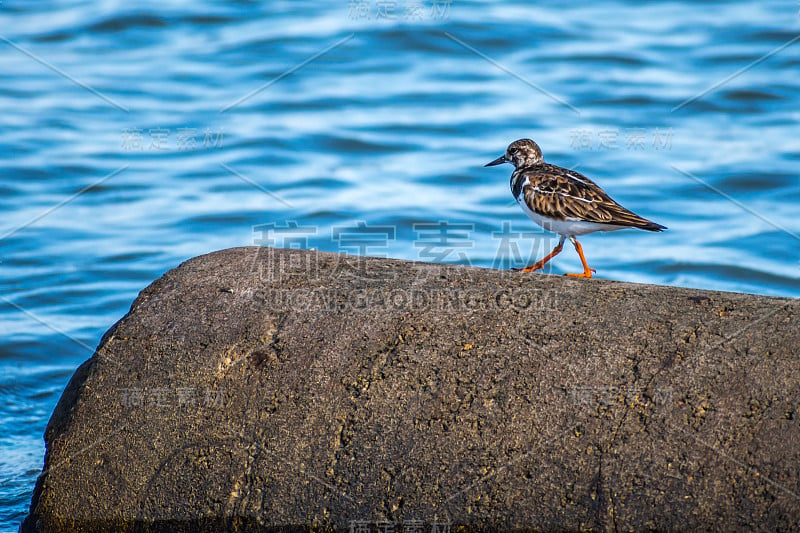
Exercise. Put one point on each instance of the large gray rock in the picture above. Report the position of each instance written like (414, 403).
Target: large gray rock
(255, 388)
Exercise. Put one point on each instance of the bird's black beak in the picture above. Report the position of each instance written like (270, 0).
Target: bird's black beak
(499, 161)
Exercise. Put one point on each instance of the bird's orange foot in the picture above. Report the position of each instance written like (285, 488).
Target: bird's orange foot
(587, 271)
(538, 265)
(585, 274)
(529, 268)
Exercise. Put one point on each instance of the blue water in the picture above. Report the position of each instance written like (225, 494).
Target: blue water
(136, 135)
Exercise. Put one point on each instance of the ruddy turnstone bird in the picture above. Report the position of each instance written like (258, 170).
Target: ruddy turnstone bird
(563, 201)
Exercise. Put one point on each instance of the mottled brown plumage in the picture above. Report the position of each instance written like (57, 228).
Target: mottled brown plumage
(564, 201)
(561, 194)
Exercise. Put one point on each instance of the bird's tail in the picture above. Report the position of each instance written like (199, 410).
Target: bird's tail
(632, 220)
(649, 225)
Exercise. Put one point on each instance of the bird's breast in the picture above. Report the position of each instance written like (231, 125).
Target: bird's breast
(518, 181)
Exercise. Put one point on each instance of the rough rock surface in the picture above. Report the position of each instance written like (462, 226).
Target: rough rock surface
(256, 388)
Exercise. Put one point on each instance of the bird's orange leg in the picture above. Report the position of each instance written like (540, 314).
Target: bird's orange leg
(587, 272)
(540, 263)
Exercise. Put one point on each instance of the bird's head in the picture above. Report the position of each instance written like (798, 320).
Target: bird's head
(521, 153)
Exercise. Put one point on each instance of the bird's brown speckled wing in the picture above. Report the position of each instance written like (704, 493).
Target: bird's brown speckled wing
(562, 194)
